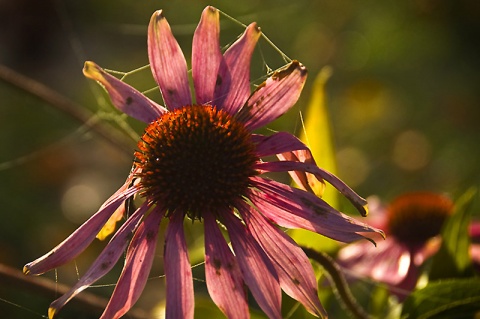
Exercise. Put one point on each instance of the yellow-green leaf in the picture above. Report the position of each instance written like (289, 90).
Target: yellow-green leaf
(317, 135)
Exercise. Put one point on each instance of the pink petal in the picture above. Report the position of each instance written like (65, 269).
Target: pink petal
(294, 270)
(474, 230)
(167, 62)
(475, 253)
(304, 180)
(284, 166)
(233, 82)
(389, 262)
(403, 289)
(277, 143)
(275, 96)
(257, 269)
(224, 278)
(105, 261)
(206, 55)
(178, 272)
(80, 238)
(124, 97)
(135, 273)
(288, 147)
(294, 208)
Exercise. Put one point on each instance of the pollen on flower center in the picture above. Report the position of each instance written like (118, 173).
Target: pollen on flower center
(195, 159)
(414, 218)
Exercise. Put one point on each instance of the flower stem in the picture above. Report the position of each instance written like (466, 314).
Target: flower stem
(335, 276)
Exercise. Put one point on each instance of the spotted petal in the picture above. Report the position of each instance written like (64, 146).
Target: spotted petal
(135, 273)
(288, 147)
(178, 274)
(104, 262)
(275, 96)
(168, 63)
(294, 270)
(123, 96)
(233, 82)
(285, 166)
(206, 55)
(257, 269)
(276, 143)
(294, 208)
(224, 278)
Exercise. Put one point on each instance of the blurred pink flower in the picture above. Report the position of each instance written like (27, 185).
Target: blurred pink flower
(201, 160)
(412, 223)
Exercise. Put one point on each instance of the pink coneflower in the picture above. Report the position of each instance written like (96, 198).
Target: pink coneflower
(412, 222)
(200, 160)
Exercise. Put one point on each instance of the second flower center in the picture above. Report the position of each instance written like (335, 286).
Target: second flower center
(416, 217)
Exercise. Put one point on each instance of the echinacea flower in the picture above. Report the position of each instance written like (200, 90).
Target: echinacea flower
(200, 160)
(412, 223)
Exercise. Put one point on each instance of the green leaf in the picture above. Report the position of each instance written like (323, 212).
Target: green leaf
(316, 134)
(453, 258)
(455, 298)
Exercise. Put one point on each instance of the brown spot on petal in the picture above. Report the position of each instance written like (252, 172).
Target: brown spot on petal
(150, 236)
(129, 100)
(105, 265)
(289, 69)
(318, 210)
(219, 81)
(217, 264)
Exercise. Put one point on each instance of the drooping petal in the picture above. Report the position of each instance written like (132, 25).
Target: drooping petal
(294, 270)
(206, 55)
(277, 143)
(124, 97)
(79, 239)
(233, 81)
(304, 180)
(104, 262)
(138, 263)
(258, 271)
(224, 278)
(294, 208)
(389, 262)
(275, 96)
(284, 166)
(168, 63)
(178, 272)
(288, 147)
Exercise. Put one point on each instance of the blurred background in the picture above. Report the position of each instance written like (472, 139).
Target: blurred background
(403, 100)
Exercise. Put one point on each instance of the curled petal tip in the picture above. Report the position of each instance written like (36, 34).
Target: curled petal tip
(26, 269)
(289, 69)
(92, 70)
(211, 9)
(365, 212)
(52, 312)
(158, 15)
(257, 30)
(382, 233)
